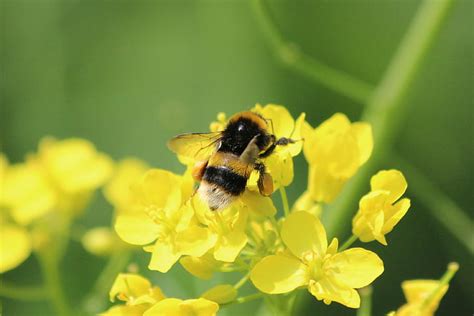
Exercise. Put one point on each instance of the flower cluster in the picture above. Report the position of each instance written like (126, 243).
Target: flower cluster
(278, 254)
(45, 193)
(156, 211)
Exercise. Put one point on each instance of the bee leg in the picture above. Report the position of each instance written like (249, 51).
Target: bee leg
(283, 141)
(265, 181)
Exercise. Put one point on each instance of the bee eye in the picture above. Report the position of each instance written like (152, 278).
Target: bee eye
(240, 128)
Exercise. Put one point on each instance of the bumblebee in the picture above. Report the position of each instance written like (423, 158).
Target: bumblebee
(225, 160)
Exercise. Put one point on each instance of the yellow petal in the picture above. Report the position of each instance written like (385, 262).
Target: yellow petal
(394, 214)
(100, 241)
(168, 307)
(258, 204)
(297, 135)
(392, 181)
(229, 246)
(127, 172)
(363, 134)
(416, 291)
(280, 166)
(74, 164)
(356, 267)
(27, 193)
(161, 189)
(281, 122)
(128, 285)
(177, 307)
(201, 267)
(278, 274)
(136, 229)
(306, 203)
(195, 241)
(221, 294)
(15, 246)
(163, 257)
(123, 310)
(314, 238)
(329, 290)
(323, 186)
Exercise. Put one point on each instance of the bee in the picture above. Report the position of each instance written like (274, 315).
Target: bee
(225, 160)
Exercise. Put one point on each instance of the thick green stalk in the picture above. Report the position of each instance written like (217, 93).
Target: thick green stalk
(52, 278)
(366, 302)
(23, 293)
(96, 300)
(284, 201)
(385, 109)
(297, 61)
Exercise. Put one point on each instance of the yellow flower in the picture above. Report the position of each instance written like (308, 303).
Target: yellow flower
(136, 291)
(177, 307)
(416, 292)
(379, 210)
(74, 164)
(423, 296)
(15, 246)
(264, 239)
(281, 124)
(118, 190)
(226, 228)
(26, 193)
(335, 150)
(165, 219)
(328, 275)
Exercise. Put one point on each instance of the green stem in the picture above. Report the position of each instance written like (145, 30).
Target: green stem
(300, 62)
(245, 299)
(96, 300)
(23, 293)
(366, 302)
(348, 243)
(50, 269)
(441, 207)
(242, 281)
(284, 201)
(385, 109)
(445, 279)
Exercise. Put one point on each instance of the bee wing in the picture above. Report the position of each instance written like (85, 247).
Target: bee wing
(198, 146)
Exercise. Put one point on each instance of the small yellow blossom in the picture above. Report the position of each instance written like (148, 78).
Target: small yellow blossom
(15, 246)
(118, 190)
(163, 217)
(328, 275)
(27, 193)
(220, 124)
(137, 293)
(380, 210)
(177, 307)
(74, 164)
(226, 228)
(101, 241)
(335, 150)
(221, 294)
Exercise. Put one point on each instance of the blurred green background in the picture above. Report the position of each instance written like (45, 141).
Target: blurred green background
(128, 75)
